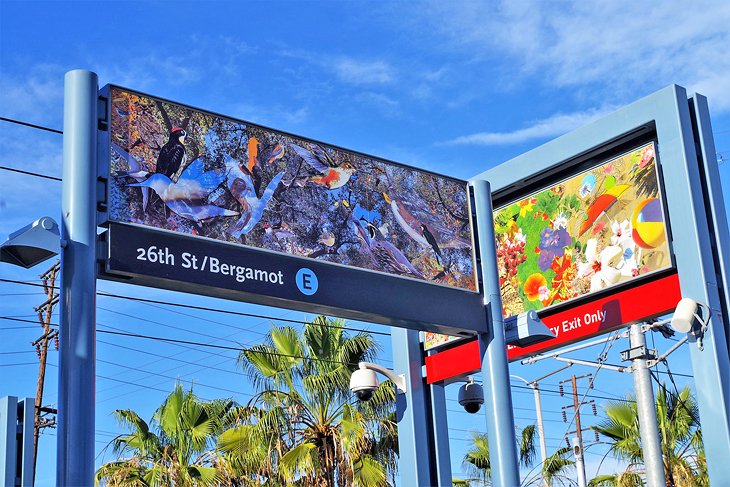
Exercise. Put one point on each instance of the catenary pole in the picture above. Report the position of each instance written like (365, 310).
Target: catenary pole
(646, 408)
(77, 347)
(495, 367)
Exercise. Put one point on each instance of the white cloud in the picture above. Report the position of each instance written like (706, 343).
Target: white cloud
(359, 72)
(35, 97)
(550, 127)
(388, 106)
(615, 48)
(348, 69)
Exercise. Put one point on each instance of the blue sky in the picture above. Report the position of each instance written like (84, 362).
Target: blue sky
(452, 87)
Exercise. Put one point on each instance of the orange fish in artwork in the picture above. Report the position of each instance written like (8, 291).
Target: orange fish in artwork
(253, 152)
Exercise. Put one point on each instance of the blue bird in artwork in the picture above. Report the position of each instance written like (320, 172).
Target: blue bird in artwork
(137, 170)
(185, 197)
(240, 183)
(384, 254)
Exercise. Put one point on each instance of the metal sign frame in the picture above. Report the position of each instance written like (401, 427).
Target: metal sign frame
(697, 220)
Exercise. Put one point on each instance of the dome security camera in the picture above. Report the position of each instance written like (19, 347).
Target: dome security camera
(364, 383)
(471, 396)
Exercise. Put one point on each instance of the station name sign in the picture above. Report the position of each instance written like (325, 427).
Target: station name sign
(167, 260)
(204, 203)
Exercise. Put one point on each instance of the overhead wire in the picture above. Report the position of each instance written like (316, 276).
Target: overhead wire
(202, 308)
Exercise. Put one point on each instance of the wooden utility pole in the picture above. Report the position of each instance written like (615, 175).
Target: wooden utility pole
(580, 466)
(45, 313)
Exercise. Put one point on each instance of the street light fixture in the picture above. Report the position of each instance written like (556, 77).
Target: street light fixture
(32, 244)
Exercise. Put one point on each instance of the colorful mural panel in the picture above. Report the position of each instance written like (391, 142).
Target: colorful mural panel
(598, 229)
(183, 170)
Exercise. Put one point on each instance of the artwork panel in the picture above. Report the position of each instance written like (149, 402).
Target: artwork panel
(180, 169)
(601, 228)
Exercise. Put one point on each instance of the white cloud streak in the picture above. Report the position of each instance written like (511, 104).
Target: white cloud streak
(550, 127)
(608, 49)
(359, 72)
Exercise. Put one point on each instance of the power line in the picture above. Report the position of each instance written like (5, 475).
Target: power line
(29, 173)
(190, 342)
(204, 308)
(32, 125)
(175, 378)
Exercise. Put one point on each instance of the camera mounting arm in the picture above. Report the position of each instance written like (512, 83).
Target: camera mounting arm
(398, 380)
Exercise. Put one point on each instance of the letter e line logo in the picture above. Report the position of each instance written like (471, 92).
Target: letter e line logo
(307, 281)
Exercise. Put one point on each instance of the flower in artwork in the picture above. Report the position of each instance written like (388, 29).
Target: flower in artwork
(621, 233)
(598, 265)
(560, 221)
(564, 275)
(532, 286)
(598, 227)
(552, 244)
(544, 293)
(526, 206)
(628, 265)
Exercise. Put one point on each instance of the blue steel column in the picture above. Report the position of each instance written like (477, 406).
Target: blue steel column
(440, 427)
(77, 354)
(411, 408)
(8, 440)
(495, 367)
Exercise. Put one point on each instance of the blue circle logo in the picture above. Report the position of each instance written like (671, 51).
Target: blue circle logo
(307, 281)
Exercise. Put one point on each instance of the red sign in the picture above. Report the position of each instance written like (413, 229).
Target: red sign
(592, 318)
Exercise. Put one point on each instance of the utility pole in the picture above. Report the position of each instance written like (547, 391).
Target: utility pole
(651, 445)
(45, 313)
(578, 440)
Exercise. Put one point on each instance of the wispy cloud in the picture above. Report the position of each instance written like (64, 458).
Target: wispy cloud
(542, 129)
(37, 96)
(348, 69)
(603, 49)
(363, 72)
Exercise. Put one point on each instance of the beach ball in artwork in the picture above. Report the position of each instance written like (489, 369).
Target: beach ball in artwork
(647, 224)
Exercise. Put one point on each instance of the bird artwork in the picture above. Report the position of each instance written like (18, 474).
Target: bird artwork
(172, 153)
(280, 231)
(327, 239)
(384, 254)
(276, 154)
(185, 197)
(333, 176)
(137, 170)
(415, 228)
(241, 185)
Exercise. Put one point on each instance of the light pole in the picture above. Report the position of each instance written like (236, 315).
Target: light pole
(535, 386)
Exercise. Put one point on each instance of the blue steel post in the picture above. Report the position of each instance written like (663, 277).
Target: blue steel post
(440, 427)
(411, 407)
(8, 440)
(77, 354)
(495, 367)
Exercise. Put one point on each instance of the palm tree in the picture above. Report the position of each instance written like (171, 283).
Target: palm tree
(478, 464)
(175, 448)
(302, 427)
(679, 428)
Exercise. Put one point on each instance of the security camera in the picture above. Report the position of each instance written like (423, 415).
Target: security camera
(471, 396)
(364, 382)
